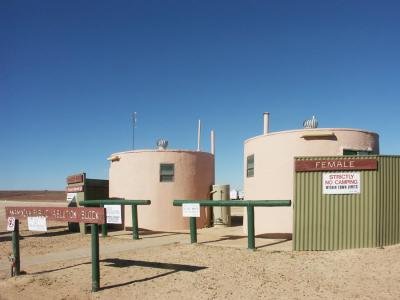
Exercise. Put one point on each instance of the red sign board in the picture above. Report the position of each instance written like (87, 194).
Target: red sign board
(75, 178)
(90, 215)
(335, 165)
(74, 189)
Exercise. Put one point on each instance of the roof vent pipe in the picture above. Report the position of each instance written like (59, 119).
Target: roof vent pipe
(212, 142)
(162, 144)
(311, 123)
(198, 136)
(266, 122)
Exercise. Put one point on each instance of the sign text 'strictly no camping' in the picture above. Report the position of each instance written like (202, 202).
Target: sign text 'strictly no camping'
(335, 165)
(341, 183)
(90, 215)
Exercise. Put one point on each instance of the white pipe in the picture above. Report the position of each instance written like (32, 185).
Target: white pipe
(198, 136)
(212, 142)
(266, 122)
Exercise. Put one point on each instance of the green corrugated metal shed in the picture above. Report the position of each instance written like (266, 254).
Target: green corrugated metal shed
(332, 222)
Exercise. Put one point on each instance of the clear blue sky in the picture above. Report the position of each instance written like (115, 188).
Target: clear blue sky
(72, 72)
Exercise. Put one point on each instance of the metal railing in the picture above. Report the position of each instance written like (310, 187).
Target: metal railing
(250, 204)
(132, 203)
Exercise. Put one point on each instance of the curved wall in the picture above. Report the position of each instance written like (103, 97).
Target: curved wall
(136, 176)
(273, 167)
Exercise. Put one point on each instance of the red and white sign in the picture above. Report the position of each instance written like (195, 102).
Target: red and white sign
(10, 224)
(89, 215)
(76, 178)
(341, 183)
(74, 188)
(335, 165)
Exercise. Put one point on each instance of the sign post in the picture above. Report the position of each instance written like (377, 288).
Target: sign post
(15, 245)
(91, 215)
(193, 230)
(135, 226)
(191, 210)
(95, 258)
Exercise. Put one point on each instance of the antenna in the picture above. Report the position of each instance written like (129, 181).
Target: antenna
(133, 129)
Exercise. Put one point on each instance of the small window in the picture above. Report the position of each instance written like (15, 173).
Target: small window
(356, 152)
(167, 172)
(250, 166)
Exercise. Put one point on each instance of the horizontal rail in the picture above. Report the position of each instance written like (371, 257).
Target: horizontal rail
(240, 203)
(132, 203)
(115, 202)
(249, 204)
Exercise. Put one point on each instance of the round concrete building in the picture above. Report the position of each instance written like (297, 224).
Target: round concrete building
(269, 165)
(162, 176)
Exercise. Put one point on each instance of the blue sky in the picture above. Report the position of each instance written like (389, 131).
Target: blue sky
(72, 72)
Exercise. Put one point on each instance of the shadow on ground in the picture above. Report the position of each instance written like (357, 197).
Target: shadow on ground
(123, 263)
(6, 235)
(283, 237)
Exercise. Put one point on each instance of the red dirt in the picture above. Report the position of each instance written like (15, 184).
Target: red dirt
(43, 195)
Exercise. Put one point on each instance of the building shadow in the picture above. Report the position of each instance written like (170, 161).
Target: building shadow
(150, 234)
(36, 235)
(275, 236)
(271, 244)
(49, 234)
(225, 238)
(5, 236)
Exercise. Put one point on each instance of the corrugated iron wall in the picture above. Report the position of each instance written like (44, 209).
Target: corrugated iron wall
(389, 200)
(331, 222)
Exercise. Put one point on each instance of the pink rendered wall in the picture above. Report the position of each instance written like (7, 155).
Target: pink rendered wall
(273, 168)
(136, 176)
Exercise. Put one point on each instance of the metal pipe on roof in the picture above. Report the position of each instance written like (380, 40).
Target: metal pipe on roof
(266, 122)
(212, 142)
(198, 135)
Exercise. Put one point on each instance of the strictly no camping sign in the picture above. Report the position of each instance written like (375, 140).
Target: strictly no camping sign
(341, 183)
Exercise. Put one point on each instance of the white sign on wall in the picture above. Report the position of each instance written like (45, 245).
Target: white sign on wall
(37, 223)
(113, 214)
(71, 197)
(341, 183)
(191, 210)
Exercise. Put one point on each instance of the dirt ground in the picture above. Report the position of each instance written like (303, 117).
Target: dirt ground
(166, 266)
(42, 196)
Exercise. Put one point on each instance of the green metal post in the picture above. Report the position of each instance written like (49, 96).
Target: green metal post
(135, 229)
(250, 228)
(15, 244)
(95, 258)
(193, 230)
(104, 226)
